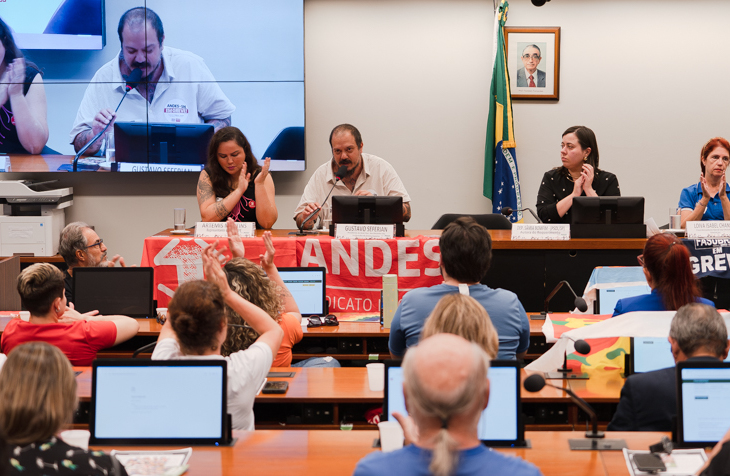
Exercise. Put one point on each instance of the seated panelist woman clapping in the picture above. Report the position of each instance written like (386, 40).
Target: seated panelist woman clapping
(578, 176)
(233, 184)
(707, 199)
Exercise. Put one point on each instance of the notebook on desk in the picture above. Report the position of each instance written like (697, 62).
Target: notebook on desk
(501, 422)
(125, 291)
(159, 402)
(703, 402)
(308, 286)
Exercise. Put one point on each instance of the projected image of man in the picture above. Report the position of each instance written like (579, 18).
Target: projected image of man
(175, 86)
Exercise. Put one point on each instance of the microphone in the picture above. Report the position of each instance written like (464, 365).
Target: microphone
(132, 80)
(507, 211)
(579, 302)
(595, 439)
(582, 347)
(341, 172)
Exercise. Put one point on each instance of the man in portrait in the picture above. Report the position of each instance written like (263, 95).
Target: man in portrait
(530, 76)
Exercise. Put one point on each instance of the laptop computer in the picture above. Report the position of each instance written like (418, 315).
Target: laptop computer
(501, 422)
(308, 286)
(650, 353)
(154, 402)
(703, 402)
(607, 298)
(125, 291)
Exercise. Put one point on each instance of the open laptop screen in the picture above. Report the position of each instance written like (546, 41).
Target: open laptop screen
(652, 353)
(155, 402)
(703, 402)
(308, 287)
(125, 291)
(607, 298)
(500, 423)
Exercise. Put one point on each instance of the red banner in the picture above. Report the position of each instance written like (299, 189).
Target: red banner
(354, 267)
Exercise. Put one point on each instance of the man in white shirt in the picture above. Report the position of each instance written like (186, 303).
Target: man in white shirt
(176, 86)
(366, 175)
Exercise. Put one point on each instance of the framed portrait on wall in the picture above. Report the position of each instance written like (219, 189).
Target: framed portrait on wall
(533, 60)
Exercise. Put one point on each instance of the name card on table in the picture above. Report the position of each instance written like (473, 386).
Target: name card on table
(217, 229)
(364, 232)
(708, 229)
(141, 167)
(540, 231)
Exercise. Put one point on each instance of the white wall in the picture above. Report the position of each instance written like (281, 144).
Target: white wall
(648, 76)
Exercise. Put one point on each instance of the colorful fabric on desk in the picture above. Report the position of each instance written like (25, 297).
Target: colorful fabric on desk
(606, 353)
(359, 317)
(609, 277)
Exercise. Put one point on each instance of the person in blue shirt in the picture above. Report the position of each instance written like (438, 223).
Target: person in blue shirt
(446, 388)
(466, 253)
(707, 199)
(668, 273)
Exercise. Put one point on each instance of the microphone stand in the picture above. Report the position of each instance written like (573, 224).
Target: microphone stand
(338, 176)
(579, 302)
(567, 373)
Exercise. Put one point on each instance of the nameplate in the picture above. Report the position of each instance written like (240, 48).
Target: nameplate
(5, 163)
(133, 167)
(708, 229)
(364, 232)
(218, 229)
(540, 231)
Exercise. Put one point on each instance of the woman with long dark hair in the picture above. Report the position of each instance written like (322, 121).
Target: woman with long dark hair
(22, 100)
(668, 272)
(233, 184)
(578, 176)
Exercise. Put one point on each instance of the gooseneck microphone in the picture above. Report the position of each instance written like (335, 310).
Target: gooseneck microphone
(339, 175)
(595, 439)
(579, 302)
(132, 81)
(582, 347)
(507, 211)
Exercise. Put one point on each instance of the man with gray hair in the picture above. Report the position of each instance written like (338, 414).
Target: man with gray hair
(81, 247)
(446, 389)
(649, 400)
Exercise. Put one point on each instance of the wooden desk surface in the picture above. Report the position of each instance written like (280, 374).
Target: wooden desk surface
(323, 452)
(38, 163)
(502, 240)
(604, 386)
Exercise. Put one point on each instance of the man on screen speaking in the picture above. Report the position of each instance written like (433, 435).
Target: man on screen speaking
(175, 86)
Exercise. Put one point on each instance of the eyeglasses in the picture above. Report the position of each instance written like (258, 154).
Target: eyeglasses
(640, 259)
(328, 320)
(533, 56)
(98, 243)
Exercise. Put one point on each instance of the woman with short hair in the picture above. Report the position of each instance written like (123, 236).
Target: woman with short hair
(708, 199)
(37, 399)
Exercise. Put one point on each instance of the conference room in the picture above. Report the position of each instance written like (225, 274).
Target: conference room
(406, 73)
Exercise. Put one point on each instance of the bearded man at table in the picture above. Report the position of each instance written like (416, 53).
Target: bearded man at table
(649, 400)
(366, 175)
(466, 253)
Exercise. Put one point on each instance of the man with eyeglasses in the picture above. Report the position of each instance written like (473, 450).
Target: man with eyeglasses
(530, 76)
(81, 247)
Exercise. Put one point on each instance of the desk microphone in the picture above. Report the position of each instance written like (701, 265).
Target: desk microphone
(507, 211)
(582, 347)
(535, 383)
(579, 302)
(132, 81)
(341, 172)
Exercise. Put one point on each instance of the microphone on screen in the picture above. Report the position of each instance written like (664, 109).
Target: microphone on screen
(132, 80)
(339, 175)
(507, 211)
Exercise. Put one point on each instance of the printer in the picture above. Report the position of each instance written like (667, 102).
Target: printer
(32, 217)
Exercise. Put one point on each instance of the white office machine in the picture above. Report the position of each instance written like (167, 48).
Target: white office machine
(32, 217)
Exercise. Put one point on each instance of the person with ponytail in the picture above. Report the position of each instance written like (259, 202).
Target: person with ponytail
(446, 389)
(668, 273)
(196, 329)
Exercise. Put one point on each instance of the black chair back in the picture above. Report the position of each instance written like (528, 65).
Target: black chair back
(491, 221)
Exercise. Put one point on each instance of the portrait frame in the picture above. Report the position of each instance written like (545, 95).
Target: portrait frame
(546, 40)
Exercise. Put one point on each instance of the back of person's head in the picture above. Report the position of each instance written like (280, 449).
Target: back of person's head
(667, 261)
(249, 281)
(466, 250)
(137, 17)
(37, 393)
(72, 240)
(39, 285)
(197, 315)
(446, 387)
(699, 328)
(463, 316)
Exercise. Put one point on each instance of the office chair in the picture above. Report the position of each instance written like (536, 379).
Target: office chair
(491, 221)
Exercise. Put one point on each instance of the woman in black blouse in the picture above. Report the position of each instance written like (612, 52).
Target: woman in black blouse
(578, 176)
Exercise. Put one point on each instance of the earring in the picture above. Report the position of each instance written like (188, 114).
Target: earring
(585, 159)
